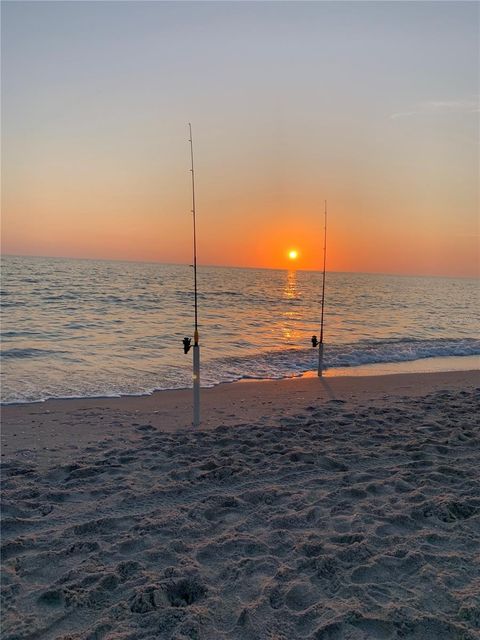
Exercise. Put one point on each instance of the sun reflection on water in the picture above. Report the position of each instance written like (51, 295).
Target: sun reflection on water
(291, 314)
(290, 289)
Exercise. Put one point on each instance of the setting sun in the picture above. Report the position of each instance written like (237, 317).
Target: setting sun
(293, 254)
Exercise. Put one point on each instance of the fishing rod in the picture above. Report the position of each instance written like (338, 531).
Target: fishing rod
(187, 342)
(315, 341)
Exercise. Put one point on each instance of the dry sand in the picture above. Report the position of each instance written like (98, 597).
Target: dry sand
(347, 508)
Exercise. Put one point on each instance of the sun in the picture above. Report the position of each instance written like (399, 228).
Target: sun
(293, 254)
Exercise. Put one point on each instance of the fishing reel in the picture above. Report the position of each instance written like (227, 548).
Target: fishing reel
(315, 341)
(187, 344)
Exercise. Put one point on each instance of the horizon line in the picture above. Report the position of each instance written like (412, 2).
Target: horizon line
(226, 266)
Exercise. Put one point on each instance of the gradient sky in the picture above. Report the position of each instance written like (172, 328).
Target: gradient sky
(371, 105)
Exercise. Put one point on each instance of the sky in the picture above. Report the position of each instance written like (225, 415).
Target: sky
(372, 106)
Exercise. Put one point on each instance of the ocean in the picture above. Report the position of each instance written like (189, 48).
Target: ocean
(88, 328)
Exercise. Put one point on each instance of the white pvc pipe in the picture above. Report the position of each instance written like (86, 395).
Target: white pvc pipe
(320, 360)
(196, 385)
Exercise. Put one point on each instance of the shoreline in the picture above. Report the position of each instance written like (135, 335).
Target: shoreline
(54, 428)
(436, 364)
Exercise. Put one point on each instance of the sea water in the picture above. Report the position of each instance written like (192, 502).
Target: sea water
(85, 328)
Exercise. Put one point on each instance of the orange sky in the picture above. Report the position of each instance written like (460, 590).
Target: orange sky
(356, 241)
(327, 101)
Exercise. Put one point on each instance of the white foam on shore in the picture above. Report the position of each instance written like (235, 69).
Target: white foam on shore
(424, 365)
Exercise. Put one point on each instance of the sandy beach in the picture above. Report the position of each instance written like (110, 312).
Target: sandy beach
(342, 508)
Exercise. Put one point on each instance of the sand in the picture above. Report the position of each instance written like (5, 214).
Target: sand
(347, 508)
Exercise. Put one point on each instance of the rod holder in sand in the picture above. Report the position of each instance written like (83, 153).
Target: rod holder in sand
(187, 345)
(316, 343)
(196, 385)
(320, 359)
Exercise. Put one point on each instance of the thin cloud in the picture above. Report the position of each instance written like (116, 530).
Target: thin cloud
(439, 107)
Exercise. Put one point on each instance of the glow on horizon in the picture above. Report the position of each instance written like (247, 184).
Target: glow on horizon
(95, 153)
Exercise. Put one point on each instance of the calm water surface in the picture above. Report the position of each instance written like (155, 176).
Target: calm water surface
(92, 328)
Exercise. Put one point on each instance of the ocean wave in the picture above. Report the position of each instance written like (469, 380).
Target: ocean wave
(288, 362)
(27, 353)
(18, 334)
(61, 297)
(399, 350)
(268, 365)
